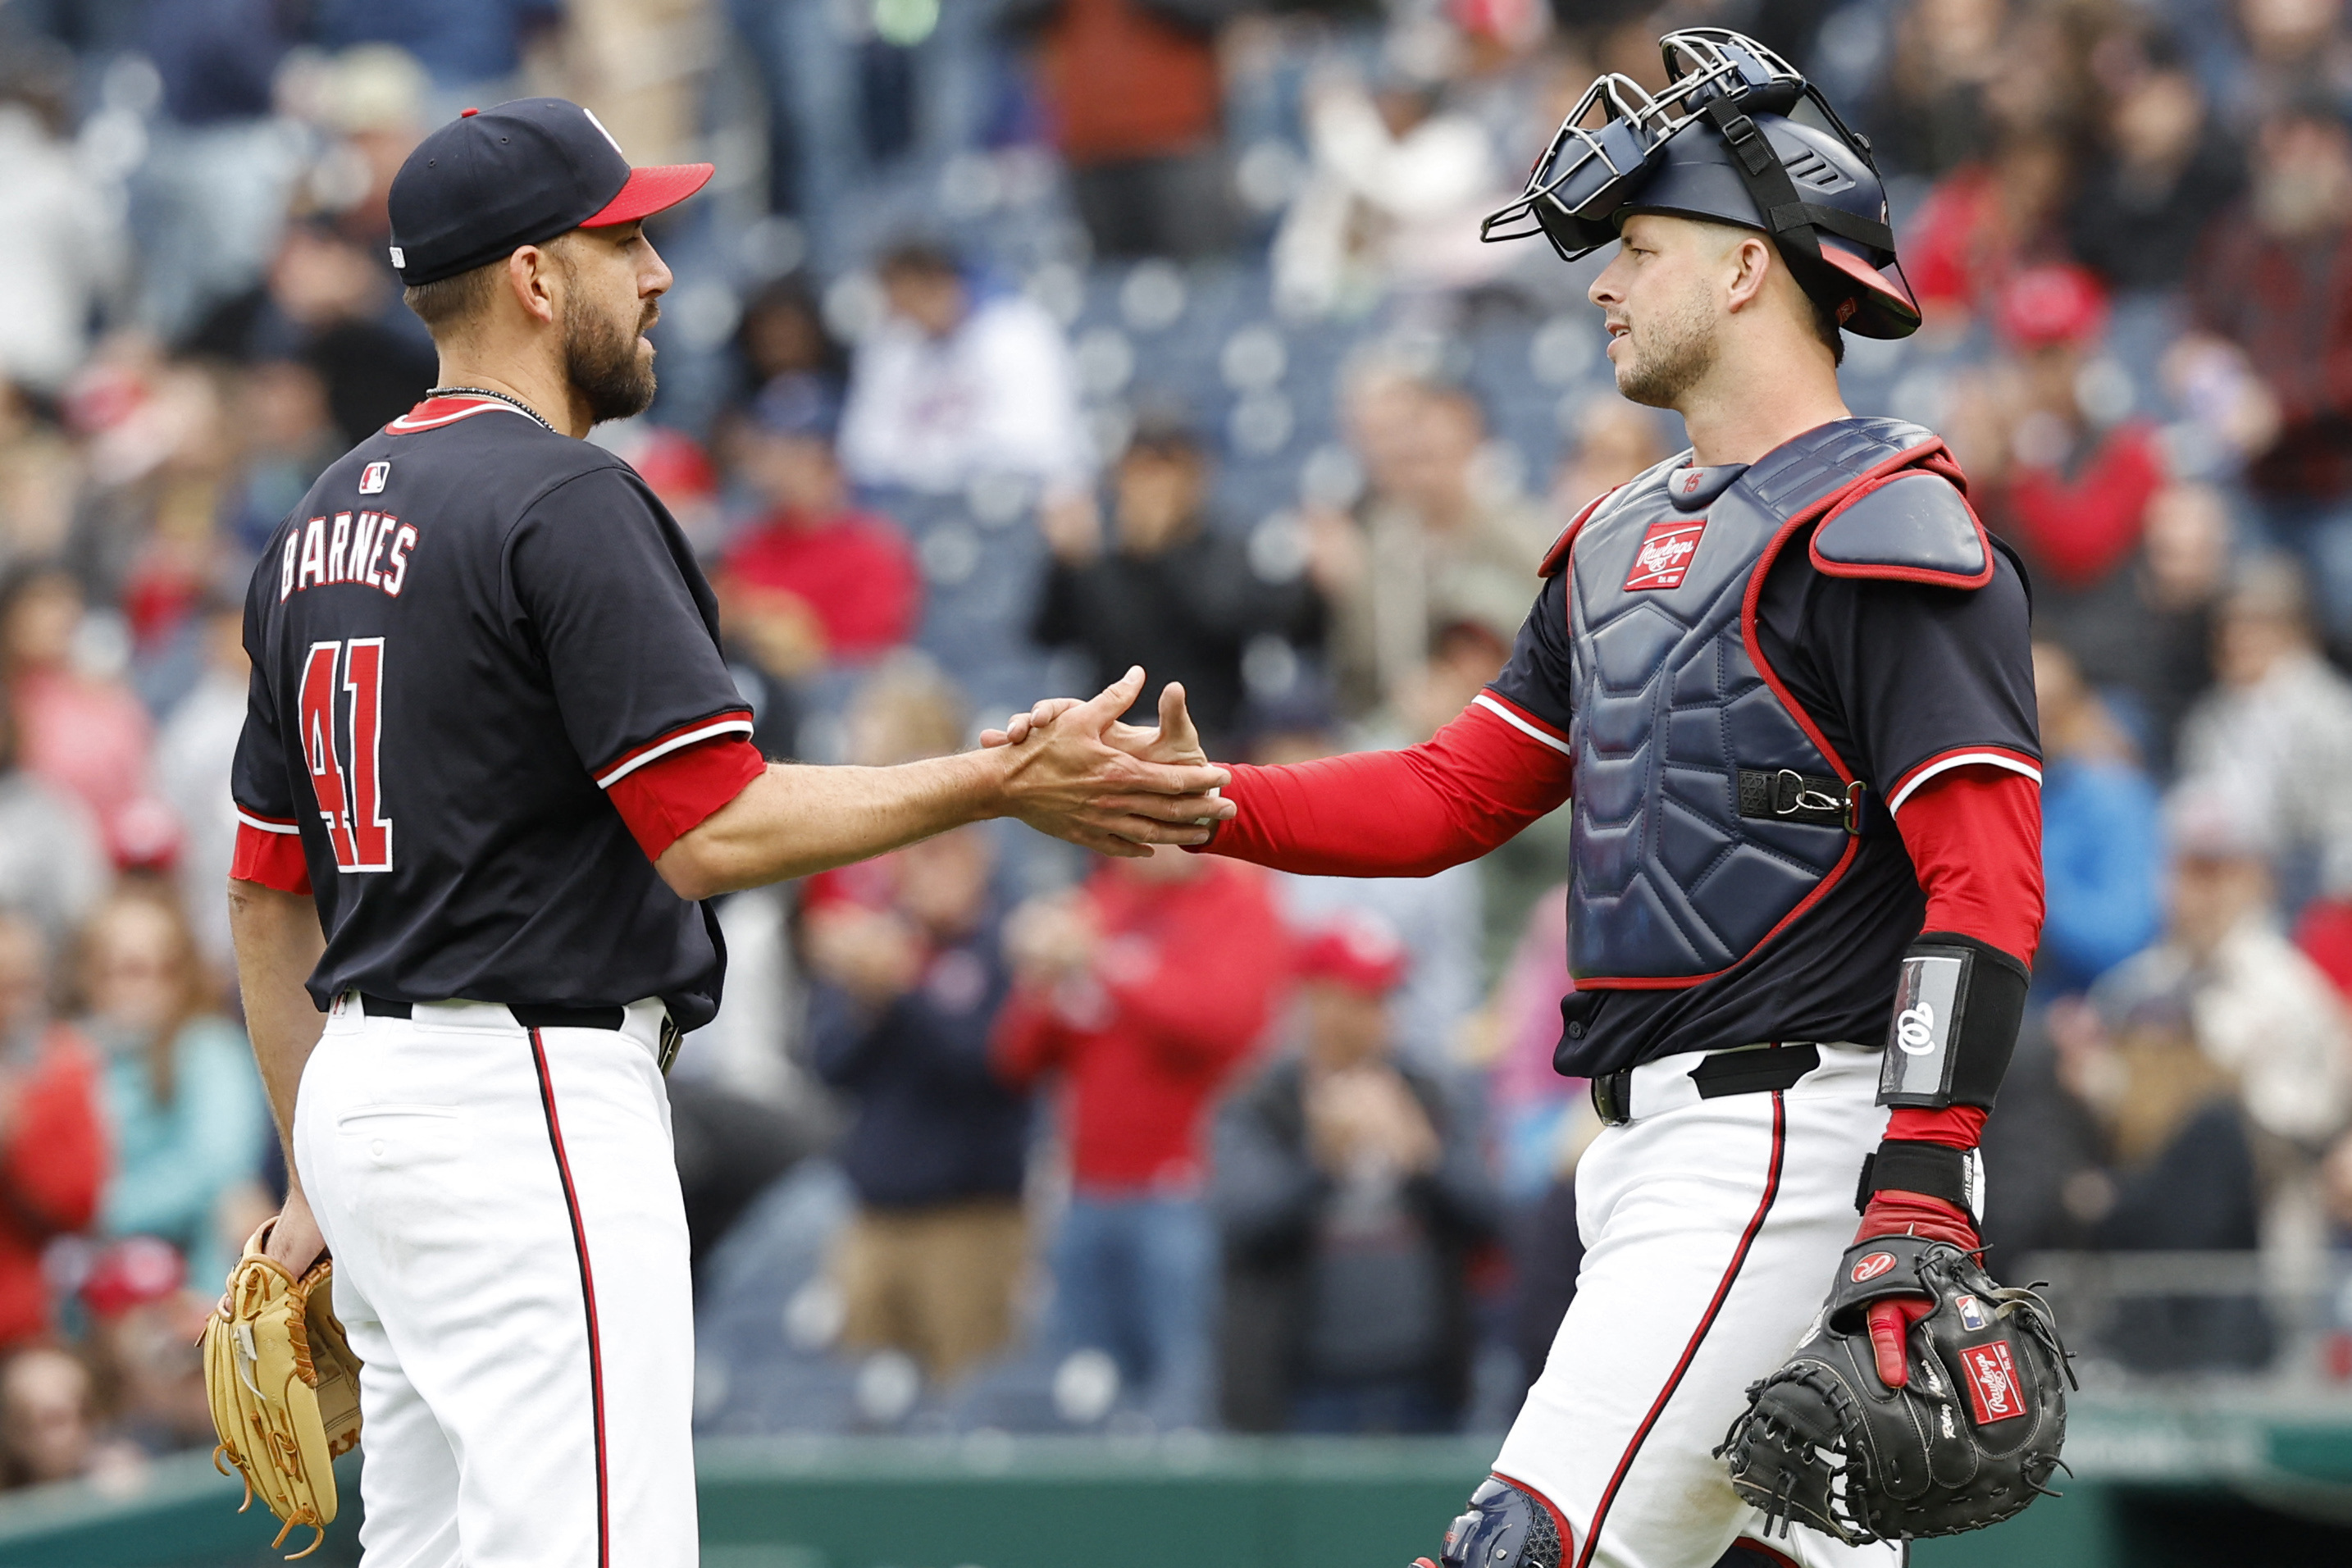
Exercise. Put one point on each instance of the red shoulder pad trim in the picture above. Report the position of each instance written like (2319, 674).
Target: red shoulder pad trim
(1557, 556)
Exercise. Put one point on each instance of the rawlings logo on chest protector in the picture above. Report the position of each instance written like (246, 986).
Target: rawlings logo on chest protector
(1664, 557)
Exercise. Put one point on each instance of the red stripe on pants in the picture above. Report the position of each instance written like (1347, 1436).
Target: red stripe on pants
(1706, 1321)
(587, 1295)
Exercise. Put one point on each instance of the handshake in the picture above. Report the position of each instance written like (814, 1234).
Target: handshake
(1073, 769)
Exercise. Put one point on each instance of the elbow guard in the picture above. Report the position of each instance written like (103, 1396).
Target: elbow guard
(1957, 1005)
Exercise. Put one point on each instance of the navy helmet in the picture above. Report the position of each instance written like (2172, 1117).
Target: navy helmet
(1739, 136)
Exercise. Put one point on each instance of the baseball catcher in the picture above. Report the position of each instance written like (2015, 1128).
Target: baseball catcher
(285, 1388)
(1784, 682)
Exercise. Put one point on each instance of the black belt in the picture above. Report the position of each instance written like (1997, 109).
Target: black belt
(531, 1015)
(537, 1015)
(1718, 1073)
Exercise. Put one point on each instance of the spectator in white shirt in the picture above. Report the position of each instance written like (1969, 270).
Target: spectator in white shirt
(954, 385)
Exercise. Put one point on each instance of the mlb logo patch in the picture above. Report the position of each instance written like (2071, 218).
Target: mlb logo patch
(1973, 1315)
(1992, 1383)
(373, 477)
(1666, 555)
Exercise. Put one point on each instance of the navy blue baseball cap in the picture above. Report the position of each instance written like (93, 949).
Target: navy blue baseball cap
(520, 173)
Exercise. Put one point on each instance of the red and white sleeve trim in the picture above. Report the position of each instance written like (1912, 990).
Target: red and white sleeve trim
(663, 803)
(1524, 723)
(269, 852)
(736, 723)
(1966, 756)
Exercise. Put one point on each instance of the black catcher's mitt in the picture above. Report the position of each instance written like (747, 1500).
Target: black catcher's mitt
(1972, 1440)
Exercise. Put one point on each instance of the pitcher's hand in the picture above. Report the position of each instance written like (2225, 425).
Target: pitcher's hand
(1175, 740)
(1082, 775)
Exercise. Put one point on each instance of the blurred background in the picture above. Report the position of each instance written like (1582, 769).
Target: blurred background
(1019, 340)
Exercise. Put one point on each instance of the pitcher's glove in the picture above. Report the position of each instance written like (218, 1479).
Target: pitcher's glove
(1964, 1433)
(285, 1388)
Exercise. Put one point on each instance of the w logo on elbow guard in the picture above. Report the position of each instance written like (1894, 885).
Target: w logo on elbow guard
(1928, 997)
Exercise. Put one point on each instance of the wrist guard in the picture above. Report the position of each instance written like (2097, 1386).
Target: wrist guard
(1933, 1170)
(1957, 1005)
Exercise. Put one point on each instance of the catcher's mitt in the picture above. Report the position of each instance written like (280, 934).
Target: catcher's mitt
(285, 1388)
(1970, 1441)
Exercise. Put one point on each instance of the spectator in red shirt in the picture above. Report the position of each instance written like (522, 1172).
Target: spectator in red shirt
(2275, 277)
(52, 1143)
(817, 581)
(1134, 93)
(2072, 495)
(1981, 225)
(87, 735)
(1144, 991)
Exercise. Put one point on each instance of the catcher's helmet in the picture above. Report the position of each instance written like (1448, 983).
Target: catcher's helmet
(1737, 137)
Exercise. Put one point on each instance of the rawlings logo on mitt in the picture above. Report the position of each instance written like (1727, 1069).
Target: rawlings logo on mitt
(1969, 1440)
(285, 1389)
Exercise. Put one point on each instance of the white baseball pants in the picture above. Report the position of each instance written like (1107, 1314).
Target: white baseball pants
(1712, 1228)
(510, 1262)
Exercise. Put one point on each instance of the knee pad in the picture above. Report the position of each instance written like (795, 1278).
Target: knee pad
(1505, 1527)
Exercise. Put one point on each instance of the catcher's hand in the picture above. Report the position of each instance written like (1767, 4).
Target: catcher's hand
(285, 1388)
(1965, 1437)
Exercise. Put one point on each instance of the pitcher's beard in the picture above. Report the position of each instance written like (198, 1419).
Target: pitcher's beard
(602, 362)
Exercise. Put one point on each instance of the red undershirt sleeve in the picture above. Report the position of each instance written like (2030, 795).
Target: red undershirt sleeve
(270, 856)
(1409, 813)
(1975, 838)
(670, 796)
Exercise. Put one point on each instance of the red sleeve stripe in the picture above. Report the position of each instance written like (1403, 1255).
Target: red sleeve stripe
(736, 723)
(663, 803)
(270, 858)
(1522, 723)
(260, 823)
(1990, 756)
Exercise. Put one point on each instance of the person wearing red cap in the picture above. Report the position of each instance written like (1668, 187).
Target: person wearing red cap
(493, 764)
(1350, 1188)
(2070, 486)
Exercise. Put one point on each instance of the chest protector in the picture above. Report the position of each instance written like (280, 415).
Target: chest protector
(1709, 811)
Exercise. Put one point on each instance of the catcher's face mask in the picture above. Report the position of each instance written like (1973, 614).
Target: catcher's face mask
(1738, 136)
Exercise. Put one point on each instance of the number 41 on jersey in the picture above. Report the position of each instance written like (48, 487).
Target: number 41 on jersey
(346, 782)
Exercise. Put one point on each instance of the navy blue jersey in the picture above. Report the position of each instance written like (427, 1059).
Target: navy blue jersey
(1904, 680)
(470, 631)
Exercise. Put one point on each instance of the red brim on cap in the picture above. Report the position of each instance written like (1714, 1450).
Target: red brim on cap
(1885, 311)
(648, 190)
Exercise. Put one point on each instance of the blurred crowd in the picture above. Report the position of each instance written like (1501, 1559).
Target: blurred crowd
(1017, 342)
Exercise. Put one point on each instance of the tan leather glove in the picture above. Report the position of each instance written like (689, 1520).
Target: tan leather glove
(285, 1388)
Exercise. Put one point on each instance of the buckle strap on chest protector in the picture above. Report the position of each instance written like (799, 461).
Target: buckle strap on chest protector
(1784, 795)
